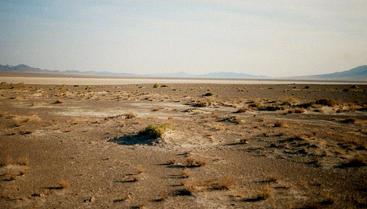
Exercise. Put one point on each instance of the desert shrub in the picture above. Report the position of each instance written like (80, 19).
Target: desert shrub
(154, 131)
(156, 85)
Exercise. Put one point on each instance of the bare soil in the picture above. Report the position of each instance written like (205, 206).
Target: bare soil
(222, 146)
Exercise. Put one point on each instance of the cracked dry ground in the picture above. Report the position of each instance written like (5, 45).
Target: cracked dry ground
(224, 146)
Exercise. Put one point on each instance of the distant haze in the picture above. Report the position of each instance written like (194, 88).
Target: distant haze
(263, 37)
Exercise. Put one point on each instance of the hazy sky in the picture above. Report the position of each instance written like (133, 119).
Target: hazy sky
(263, 37)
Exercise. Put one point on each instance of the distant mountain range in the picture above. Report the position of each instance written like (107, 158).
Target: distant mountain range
(21, 68)
(355, 74)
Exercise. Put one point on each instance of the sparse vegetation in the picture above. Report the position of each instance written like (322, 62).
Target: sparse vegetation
(154, 131)
(156, 85)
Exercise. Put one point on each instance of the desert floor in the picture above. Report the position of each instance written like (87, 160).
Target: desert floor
(219, 146)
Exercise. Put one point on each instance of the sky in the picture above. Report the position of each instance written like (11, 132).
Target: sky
(262, 37)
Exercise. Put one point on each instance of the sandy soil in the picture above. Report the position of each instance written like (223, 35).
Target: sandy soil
(222, 146)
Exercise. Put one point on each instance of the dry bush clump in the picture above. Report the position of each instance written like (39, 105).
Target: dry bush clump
(156, 85)
(154, 131)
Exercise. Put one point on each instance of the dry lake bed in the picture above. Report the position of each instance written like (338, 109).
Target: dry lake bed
(183, 145)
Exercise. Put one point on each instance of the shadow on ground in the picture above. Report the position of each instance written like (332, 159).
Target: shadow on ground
(135, 139)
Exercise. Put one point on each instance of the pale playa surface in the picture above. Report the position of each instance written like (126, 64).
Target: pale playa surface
(121, 81)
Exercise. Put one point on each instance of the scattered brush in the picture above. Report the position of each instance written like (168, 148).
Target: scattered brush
(156, 85)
